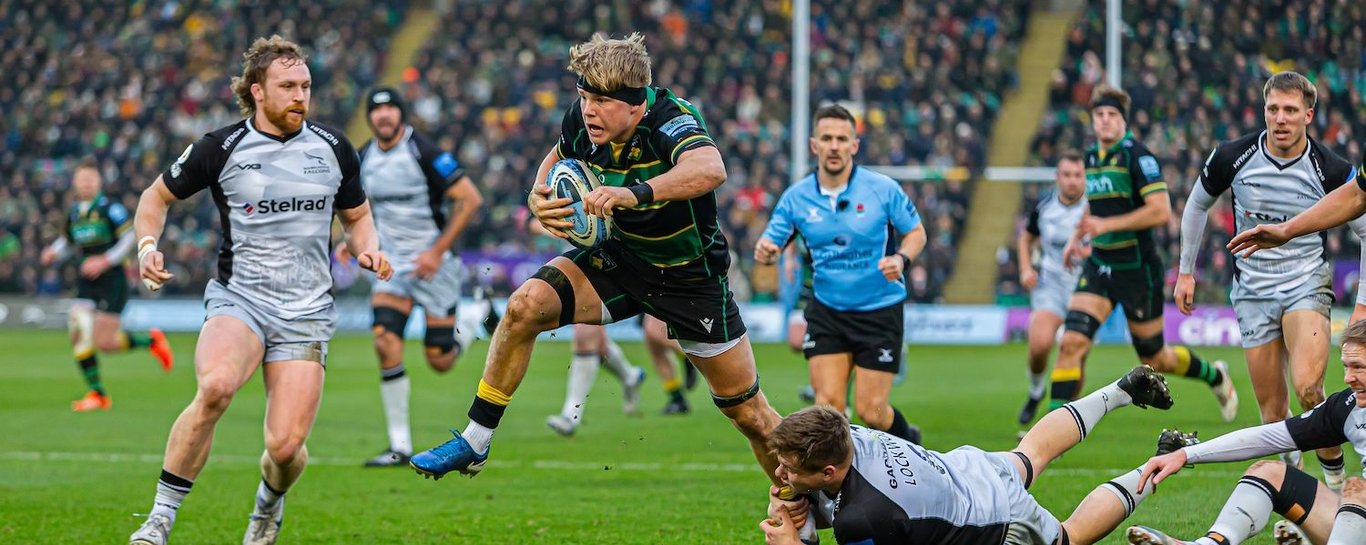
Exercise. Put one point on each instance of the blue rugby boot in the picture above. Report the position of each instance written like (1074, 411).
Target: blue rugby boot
(453, 455)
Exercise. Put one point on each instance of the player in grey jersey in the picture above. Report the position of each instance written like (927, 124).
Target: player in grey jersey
(873, 488)
(1282, 296)
(277, 181)
(1324, 516)
(1051, 224)
(408, 180)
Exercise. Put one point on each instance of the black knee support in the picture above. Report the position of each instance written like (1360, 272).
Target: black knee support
(1082, 322)
(441, 337)
(560, 283)
(727, 402)
(1296, 496)
(390, 319)
(1148, 347)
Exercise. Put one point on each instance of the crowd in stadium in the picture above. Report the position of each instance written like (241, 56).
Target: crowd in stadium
(927, 81)
(1221, 64)
(132, 85)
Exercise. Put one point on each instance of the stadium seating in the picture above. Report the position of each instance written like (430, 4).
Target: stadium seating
(1195, 80)
(132, 85)
(499, 93)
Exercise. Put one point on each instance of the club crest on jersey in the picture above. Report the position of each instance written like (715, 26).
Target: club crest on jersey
(320, 166)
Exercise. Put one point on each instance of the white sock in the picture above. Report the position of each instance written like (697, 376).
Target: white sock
(1126, 488)
(617, 363)
(394, 389)
(171, 491)
(583, 370)
(478, 436)
(1246, 512)
(1037, 383)
(267, 497)
(1088, 410)
(1349, 525)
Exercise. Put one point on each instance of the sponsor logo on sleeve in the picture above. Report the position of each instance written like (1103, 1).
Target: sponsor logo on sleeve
(445, 164)
(1148, 164)
(679, 125)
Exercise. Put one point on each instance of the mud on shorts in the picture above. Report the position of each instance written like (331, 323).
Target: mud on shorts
(302, 338)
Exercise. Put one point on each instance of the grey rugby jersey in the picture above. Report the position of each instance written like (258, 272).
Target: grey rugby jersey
(275, 199)
(897, 492)
(407, 188)
(1054, 223)
(1267, 189)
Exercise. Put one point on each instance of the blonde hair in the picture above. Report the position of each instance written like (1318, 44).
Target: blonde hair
(612, 64)
(255, 62)
(1286, 82)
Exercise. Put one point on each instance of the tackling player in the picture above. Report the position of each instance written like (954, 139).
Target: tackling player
(99, 229)
(1320, 512)
(277, 180)
(871, 487)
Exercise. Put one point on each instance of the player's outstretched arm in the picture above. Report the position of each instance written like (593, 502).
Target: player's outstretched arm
(1342, 205)
(1156, 210)
(466, 200)
(148, 223)
(1245, 444)
(362, 241)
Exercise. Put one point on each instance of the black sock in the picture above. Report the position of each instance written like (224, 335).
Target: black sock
(901, 428)
(1335, 464)
(486, 413)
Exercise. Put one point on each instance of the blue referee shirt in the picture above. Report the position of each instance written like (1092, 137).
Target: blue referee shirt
(847, 234)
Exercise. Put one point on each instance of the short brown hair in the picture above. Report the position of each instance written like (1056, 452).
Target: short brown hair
(1072, 155)
(817, 436)
(834, 111)
(255, 62)
(1292, 81)
(1355, 333)
(1105, 95)
(612, 65)
(87, 162)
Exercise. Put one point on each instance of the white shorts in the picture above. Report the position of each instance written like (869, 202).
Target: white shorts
(303, 338)
(1259, 315)
(1030, 523)
(1052, 293)
(437, 295)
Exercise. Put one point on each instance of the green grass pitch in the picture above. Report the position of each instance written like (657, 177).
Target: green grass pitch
(79, 478)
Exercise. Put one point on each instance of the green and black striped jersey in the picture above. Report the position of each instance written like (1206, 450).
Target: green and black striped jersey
(1118, 180)
(94, 227)
(682, 235)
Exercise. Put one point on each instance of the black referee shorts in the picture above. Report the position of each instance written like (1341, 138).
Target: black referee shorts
(873, 337)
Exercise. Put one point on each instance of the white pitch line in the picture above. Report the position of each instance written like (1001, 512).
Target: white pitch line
(548, 465)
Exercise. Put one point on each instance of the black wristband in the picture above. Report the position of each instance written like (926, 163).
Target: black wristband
(905, 261)
(645, 194)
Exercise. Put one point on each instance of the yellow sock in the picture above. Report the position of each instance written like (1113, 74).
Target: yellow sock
(492, 395)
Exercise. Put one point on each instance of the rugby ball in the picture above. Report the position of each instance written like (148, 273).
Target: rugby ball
(572, 179)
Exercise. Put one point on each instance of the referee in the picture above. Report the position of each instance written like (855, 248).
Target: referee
(862, 232)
